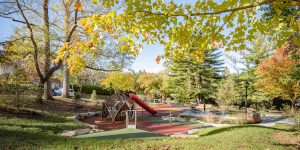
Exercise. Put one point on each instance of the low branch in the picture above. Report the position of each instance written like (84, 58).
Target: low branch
(12, 41)
(16, 20)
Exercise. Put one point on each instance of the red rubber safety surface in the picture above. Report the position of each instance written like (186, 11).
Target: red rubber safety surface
(144, 123)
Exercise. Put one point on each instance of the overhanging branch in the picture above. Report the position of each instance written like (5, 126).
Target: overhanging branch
(210, 13)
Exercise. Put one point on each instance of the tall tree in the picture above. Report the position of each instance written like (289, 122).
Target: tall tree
(25, 10)
(196, 81)
(119, 81)
(227, 91)
(276, 75)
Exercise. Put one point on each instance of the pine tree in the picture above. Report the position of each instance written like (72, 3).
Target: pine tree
(195, 81)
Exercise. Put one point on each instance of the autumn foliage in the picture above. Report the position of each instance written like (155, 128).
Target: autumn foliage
(276, 75)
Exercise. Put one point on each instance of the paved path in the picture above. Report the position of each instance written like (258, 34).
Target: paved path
(267, 121)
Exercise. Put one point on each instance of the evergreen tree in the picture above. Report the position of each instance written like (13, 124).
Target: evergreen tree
(195, 81)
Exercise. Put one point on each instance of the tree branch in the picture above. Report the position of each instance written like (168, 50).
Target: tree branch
(12, 41)
(210, 13)
(15, 20)
(37, 67)
(60, 62)
(101, 69)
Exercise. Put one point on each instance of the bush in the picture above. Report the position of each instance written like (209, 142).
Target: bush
(89, 88)
(296, 120)
(94, 95)
(77, 98)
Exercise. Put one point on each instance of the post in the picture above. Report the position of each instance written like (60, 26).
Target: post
(246, 86)
(170, 120)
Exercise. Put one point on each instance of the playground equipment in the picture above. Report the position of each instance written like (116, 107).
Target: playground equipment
(141, 103)
(131, 119)
(117, 105)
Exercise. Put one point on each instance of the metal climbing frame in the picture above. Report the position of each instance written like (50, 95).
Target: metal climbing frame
(116, 106)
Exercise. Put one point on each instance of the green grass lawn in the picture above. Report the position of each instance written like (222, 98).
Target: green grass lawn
(41, 133)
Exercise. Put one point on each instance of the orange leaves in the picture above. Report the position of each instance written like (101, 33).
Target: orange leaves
(275, 74)
(215, 43)
(78, 6)
(158, 58)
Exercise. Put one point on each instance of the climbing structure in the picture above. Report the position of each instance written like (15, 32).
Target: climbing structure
(115, 107)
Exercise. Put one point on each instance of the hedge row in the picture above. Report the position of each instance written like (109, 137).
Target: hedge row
(88, 89)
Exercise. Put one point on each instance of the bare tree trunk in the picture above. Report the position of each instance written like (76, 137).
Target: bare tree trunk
(39, 98)
(66, 79)
(48, 91)
(66, 82)
(47, 54)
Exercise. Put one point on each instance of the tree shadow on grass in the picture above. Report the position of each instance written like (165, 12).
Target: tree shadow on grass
(32, 115)
(124, 136)
(55, 128)
(225, 129)
(17, 138)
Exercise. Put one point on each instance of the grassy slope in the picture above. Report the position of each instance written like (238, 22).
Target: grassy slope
(123, 133)
(20, 133)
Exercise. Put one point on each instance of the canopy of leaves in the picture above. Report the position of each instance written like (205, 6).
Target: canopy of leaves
(229, 23)
(227, 91)
(150, 83)
(276, 75)
(119, 81)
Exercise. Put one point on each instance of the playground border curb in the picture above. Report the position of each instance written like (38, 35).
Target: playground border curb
(79, 116)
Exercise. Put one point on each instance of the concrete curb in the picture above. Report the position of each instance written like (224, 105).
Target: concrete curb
(79, 116)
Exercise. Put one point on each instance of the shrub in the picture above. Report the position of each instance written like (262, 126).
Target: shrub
(77, 98)
(94, 95)
(296, 120)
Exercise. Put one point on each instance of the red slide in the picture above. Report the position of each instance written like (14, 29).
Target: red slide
(141, 103)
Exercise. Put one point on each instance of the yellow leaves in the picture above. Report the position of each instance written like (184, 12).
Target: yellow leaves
(83, 22)
(95, 1)
(87, 28)
(78, 6)
(66, 45)
(158, 58)
(123, 48)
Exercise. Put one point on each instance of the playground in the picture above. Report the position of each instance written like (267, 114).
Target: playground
(118, 114)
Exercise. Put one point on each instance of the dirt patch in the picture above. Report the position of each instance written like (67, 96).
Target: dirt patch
(287, 140)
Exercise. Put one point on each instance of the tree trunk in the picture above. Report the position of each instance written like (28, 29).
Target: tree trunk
(66, 82)
(48, 91)
(47, 54)
(67, 28)
(293, 106)
(39, 98)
